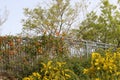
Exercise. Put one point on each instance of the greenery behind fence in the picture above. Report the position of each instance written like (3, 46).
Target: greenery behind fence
(21, 49)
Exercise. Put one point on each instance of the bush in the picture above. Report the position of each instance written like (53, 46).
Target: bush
(105, 67)
(52, 71)
(77, 65)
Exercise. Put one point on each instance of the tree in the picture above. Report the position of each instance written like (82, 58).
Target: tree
(3, 17)
(104, 27)
(56, 19)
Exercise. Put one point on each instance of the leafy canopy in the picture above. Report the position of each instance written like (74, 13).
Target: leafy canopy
(104, 27)
(57, 18)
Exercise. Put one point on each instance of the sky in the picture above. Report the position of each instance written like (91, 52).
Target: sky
(13, 24)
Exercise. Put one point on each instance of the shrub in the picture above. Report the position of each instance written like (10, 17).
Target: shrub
(77, 65)
(105, 67)
(52, 71)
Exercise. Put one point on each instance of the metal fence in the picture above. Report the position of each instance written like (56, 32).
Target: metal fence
(84, 47)
(14, 51)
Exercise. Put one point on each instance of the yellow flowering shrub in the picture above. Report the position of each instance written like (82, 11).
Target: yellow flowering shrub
(51, 71)
(104, 67)
(34, 76)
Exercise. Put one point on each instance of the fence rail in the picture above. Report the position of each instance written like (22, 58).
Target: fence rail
(84, 47)
(16, 52)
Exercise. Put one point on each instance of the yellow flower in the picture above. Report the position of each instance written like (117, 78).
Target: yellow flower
(38, 75)
(108, 64)
(96, 60)
(46, 72)
(111, 60)
(63, 72)
(85, 71)
(26, 78)
(67, 75)
(115, 55)
(102, 60)
(44, 65)
(110, 67)
(110, 71)
(96, 64)
(117, 73)
(49, 67)
(31, 77)
(105, 67)
(98, 68)
(95, 55)
(34, 74)
(59, 64)
(49, 63)
(45, 78)
(97, 79)
(56, 69)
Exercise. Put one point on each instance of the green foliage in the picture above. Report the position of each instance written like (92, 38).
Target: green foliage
(57, 18)
(20, 55)
(52, 71)
(46, 45)
(77, 65)
(29, 68)
(104, 67)
(103, 27)
(22, 58)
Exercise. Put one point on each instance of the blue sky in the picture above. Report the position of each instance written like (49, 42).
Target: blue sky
(13, 24)
(15, 7)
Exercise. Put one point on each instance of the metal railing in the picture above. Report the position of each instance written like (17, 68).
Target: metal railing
(15, 53)
(84, 47)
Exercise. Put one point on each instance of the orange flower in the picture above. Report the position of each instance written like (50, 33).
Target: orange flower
(57, 33)
(62, 38)
(10, 43)
(60, 49)
(5, 37)
(39, 50)
(12, 52)
(18, 40)
(0, 57)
